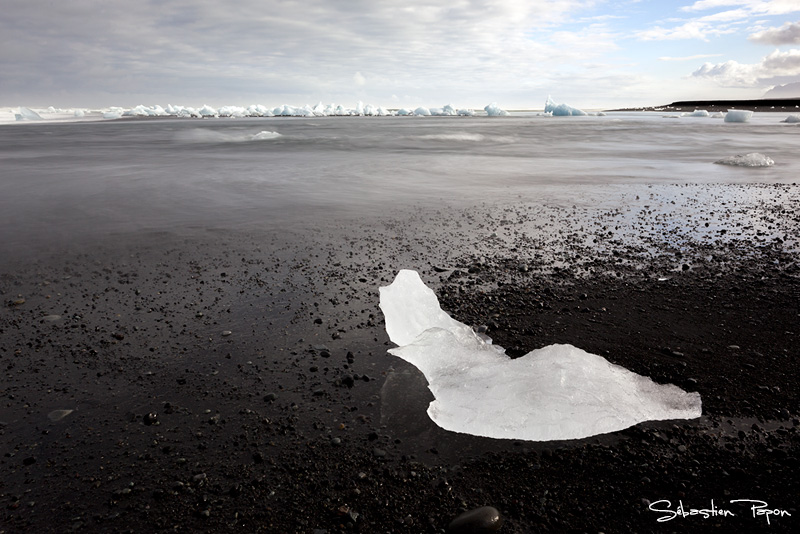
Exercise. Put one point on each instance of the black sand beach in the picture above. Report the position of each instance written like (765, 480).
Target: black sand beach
(237, 380)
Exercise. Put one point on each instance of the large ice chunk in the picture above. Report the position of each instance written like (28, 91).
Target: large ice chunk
(753, 159)
(738, 115)
(561, 110)
(792, 119)
(553, 393)
(27, 114)
(493, 110)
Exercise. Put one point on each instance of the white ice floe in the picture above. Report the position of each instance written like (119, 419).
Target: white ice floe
(561, 110)
(753, 159)
(792, 119)
(738, 115)
(553, 393)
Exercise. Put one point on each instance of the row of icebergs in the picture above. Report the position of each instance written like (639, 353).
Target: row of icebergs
(258, 110)
(551, 109)
(733, 115)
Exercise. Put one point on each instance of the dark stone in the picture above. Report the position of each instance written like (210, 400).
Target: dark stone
(478, 521)
(150, 419)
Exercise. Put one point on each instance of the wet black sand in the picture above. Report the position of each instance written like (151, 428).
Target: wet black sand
(237, 380)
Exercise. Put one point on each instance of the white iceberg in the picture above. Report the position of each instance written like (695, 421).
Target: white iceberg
(27, 114)
(561, 110)
(753, 159)
(738, 115)
(792, 119)
(493, 110)
(553, 393)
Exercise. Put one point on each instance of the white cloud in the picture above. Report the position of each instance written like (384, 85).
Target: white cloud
(789, 33)
(359, 79)
(776, 66)
(695, 29)
(688, 58)
(752, 7)
(718, 23)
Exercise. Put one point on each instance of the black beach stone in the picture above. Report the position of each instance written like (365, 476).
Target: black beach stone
(478, 521)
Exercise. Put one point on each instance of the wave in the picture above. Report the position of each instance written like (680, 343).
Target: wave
(202, 135)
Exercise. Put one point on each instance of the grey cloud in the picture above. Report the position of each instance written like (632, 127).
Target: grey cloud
(309, 47)
(789, 33)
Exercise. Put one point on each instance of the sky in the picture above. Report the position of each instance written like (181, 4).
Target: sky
(592, 54)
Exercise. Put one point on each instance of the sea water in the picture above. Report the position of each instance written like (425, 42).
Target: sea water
(92, 180)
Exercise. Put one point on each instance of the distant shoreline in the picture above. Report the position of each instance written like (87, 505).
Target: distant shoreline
(766, 104)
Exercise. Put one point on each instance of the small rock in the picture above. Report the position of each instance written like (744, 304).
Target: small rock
(150, 419)
(51, 318)
(226, 333)
(478, 521)
(269, 397)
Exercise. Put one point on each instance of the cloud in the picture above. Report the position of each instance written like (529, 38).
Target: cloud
(688, 58)
(308, 48)
(776, 66)
(718, 23)
(696, 29)
(752, 7)
(359, 79)
(789, 33)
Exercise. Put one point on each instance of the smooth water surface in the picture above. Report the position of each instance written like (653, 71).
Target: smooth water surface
(95, 179)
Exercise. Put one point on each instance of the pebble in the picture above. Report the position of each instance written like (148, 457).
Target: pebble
(51, 318)
(226, 333)
(478, 521)
(150, 418)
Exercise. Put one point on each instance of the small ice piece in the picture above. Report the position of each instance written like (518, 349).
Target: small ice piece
(753, 159)
(493, 110)
(792, 119)
(697, 113)
(58, 415)
(561, 110)
(738, 115)
(554, 393)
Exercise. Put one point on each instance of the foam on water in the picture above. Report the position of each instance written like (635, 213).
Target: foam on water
(204, 135)
(753, 159)
(554, 393)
